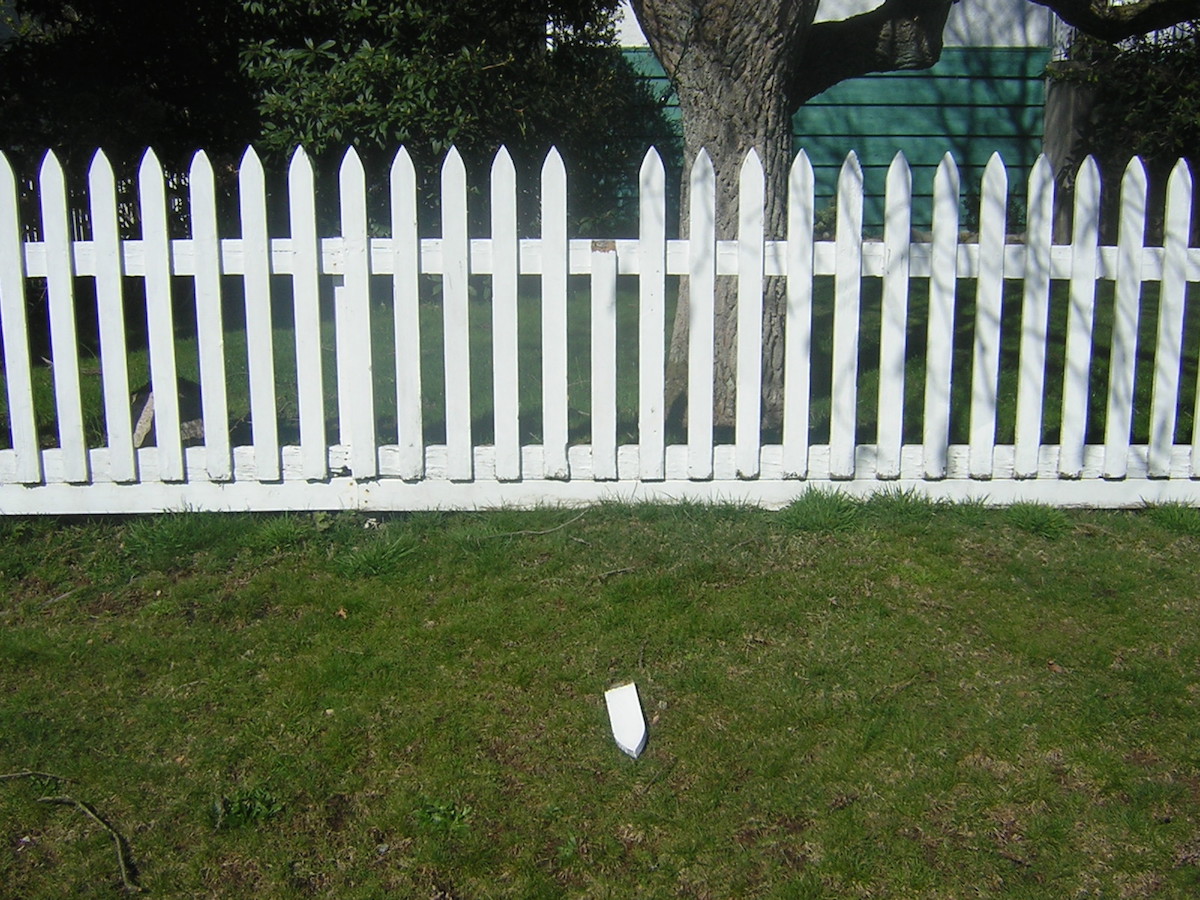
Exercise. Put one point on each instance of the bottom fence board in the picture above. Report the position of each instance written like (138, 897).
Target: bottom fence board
(484, 491)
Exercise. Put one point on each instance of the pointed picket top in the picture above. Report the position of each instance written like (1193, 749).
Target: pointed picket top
(851, 167)
(1087, 202)
(100, 167)
(702, 167)
(502, 162)
(1180, 179)
(1041, 179)
(300, 165)
(652, 167)
(250, 161)
(752, 163)
(403, 172)
(453, 165)
(553, 166)
(1134, 175)
(800, 174)
(351, 167)
(50, 164)
(201, 167)
(150, 167)
(995, 174)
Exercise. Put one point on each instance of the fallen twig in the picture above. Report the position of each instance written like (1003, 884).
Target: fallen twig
(27, 774)
(127, 876)
(604, 576)
(571, 521)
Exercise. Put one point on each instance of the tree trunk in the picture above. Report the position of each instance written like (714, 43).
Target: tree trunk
(731, 65)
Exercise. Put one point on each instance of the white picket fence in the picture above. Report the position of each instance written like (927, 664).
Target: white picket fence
(358, 471)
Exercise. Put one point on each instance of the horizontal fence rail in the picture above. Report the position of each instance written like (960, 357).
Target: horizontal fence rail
(937, 361)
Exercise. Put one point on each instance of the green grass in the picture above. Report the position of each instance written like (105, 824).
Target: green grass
(891, 698)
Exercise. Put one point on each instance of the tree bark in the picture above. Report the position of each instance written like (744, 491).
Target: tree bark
(731, 64)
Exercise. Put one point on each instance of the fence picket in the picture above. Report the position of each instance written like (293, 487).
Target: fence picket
(1168, 352)
(1123, 357)
(652, 289)
(306, 312)
(256, 275)
(604, 362)
(797, 388)
(751, 268)
(160, 319)
(14, 329)
(505, 346)
(114, 366)
(406, 297)
(702, 282)
(64, 345)
(943, 280)
(897, 237)
(1035, 320)
(210, 331)
(352, 322)
(989, 296)
(554, 316)
(846, 313)
(1085, 268)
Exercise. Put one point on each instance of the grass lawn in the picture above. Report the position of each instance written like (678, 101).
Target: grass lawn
(881, 700)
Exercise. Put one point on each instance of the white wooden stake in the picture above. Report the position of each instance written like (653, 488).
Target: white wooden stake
(625, 714)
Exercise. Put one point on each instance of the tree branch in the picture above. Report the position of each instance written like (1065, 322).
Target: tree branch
(900, 34)
(1115, 23)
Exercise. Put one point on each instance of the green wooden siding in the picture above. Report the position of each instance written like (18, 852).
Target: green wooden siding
(974, 102)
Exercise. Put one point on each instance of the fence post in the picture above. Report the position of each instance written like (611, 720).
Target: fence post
(1035, 319)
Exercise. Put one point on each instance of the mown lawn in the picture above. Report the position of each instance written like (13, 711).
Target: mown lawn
(880, 700)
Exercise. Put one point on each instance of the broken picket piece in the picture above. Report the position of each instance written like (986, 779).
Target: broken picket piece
(625, 714)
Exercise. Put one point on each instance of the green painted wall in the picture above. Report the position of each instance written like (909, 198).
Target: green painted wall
(974, 102)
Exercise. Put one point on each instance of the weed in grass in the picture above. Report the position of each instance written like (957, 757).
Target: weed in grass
(1177, 518)
(1038, 519)
(895, 508)
(969, 513)
(168, 542)
(445, 816)
(283, 532)
(246, 806)
(378, 558)
(824, 512)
